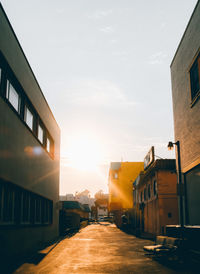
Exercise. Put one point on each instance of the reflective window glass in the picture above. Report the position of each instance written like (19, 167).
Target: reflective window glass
(13, 96)
(29, 118)
(48, 145)
(40, 134)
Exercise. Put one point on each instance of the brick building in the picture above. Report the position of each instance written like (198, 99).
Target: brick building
(185, 77)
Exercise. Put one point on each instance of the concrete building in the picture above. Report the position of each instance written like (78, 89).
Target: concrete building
(67, 197)
(121, 178)
(185, 77)
(29, 153)
(155, 198)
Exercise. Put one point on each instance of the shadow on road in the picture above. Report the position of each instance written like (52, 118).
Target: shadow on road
(9, 265)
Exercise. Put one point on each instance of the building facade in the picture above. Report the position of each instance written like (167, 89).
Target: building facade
(121, 178)
(29, 153)
(155, 199)
(185, 77)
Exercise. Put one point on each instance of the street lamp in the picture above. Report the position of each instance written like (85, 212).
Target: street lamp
(180, 184)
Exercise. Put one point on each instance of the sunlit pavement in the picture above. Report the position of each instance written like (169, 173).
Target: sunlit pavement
(98, 248)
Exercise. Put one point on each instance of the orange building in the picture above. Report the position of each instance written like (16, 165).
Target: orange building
(121, 178)
(155, 198)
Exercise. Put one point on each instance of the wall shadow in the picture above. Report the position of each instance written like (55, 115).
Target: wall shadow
(10, 265)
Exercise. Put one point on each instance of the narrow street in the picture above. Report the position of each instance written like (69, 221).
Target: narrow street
(97, 248)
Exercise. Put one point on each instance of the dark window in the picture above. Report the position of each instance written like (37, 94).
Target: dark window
(169, 215)
(155, 188)
(141, 196)
(149, 191)
(22, 207)
(38, 215)
(195, 77)
(145, 193)
(1, 200)
(8, 204)
(46, 211)
(25, 208)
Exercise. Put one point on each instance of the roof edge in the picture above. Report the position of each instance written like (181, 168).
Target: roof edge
(184, 33)
(1, 6)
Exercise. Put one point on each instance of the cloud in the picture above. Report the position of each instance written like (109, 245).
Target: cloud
(97, 93)
(108, 29)
(120, 53)
(157, 58)
(100, 14)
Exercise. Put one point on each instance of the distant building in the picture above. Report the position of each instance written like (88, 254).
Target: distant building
(185, 77)
(101, 204)
(154, 198)
(67, 197)
(84, 198)
(29, 153)
(121, 178)
(72, 215)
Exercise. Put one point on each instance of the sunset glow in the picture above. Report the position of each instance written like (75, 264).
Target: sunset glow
(85, 153)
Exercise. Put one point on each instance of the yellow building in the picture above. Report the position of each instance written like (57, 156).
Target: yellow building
(121, 178)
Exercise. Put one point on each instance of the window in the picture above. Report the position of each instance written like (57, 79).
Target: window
(1, 200)
(8, 204)
(40, 134)
(28, 118)
(195, 78)
(38, 211)
(141, 196)
(22, 207)
(25, 207)
(149, 191)
(46, 211)
(145, 194)
(116, 175)
(13, 97)
(155, 188)
(48, 145)
(17, 99)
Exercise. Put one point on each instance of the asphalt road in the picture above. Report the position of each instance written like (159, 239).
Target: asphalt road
(97, 248)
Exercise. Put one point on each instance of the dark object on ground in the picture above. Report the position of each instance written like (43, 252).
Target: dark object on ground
(166, 246)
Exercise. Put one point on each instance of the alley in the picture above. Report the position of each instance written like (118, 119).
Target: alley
(97, 248)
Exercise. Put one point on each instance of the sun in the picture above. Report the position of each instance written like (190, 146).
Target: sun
(85, 153)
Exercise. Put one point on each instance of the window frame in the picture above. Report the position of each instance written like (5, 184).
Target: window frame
(155, 188)
(149, 191)
(27, 108)
(8, 84)
(25, 208)
(43, 131)
(4, 206)
(194, 95)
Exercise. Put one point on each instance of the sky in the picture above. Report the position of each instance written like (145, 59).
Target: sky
(104, 68)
